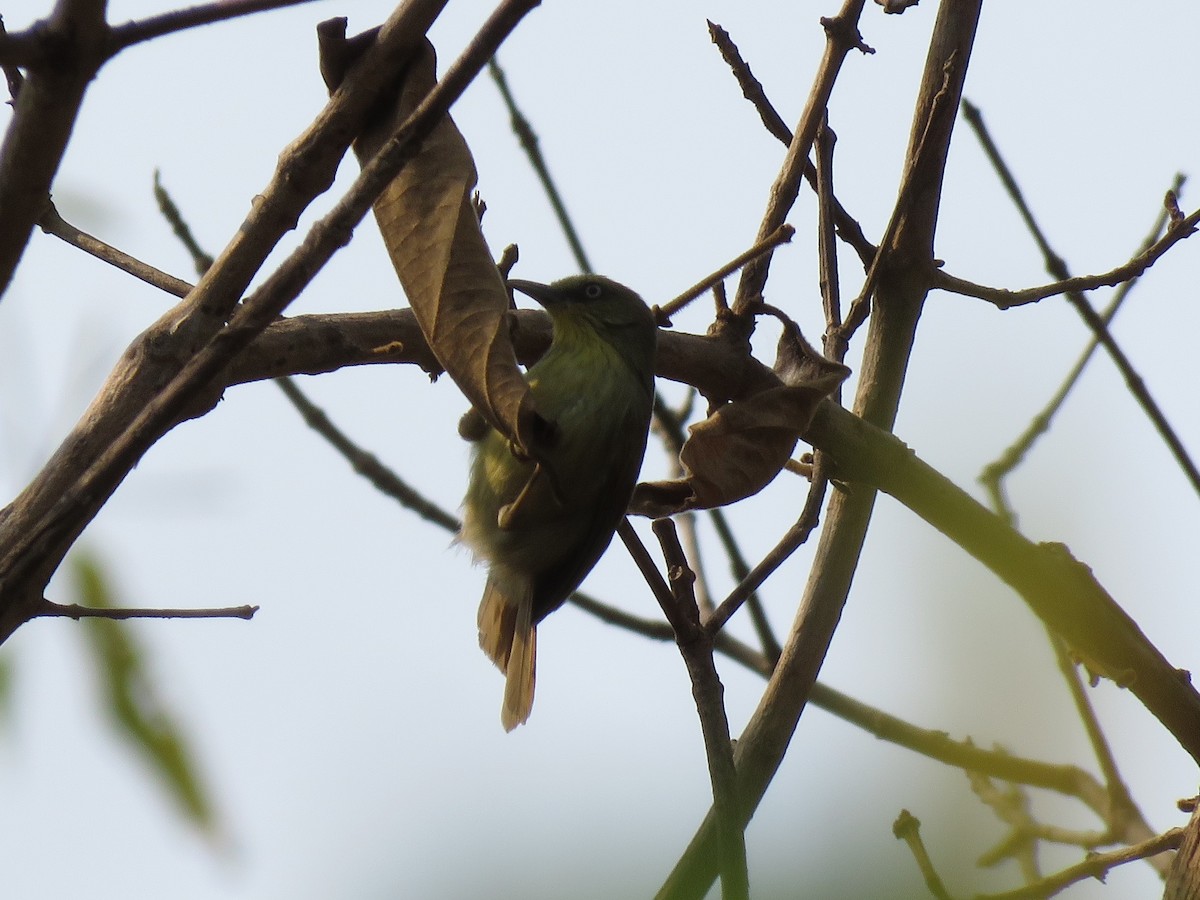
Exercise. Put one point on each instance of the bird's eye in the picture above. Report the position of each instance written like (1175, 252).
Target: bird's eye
(592, 290)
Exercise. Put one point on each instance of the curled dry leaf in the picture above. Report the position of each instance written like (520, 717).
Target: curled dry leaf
(740, 448)
(433, 237)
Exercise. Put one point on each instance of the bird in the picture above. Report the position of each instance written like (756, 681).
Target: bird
(541, 524)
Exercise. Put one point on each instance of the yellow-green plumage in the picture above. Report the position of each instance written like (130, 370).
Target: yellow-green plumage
(541, 534)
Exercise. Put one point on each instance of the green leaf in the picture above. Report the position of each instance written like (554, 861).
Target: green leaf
(135, 707)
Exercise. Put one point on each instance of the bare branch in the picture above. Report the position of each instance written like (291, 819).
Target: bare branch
(36, 549)
(907, 828)
(365, 464)
(788, 544)
(77, 612)
(529, 143)
(781, 235)
(1061, 591)
(1136, 267)
(54, 224)
(1096, 865)
(995, 472)
(889, 344)
(696, 647)
(45, 111)
(130, 33)
(842, 36)
(847, 227)
(1057, 267)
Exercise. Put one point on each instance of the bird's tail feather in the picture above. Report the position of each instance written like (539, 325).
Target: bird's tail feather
(509, 638)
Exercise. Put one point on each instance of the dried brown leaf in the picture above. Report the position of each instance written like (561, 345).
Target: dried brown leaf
(433, 237)
(740, 448)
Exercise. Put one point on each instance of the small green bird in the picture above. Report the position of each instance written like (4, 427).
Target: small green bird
(541, 526)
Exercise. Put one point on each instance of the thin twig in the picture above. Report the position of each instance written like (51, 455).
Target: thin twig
(134, 32)
(667, 424)
(1057, 267)
(696, 647)
(1006, 299)
(687, 523)
(831, 294)
(860, 307)
(1121, 815)
(907, 828)
(77, 612)
(791, 541)
(752, 88)
(364, 463)
(1095, 865)
(201, 259)
(54, 224)
(650, 628)
(996, 471)
(1009, 805)
(842, 36)
(658, 630)
(644, 562)
(741, 571)
(529, 143)
(781, 235)
(847, 226)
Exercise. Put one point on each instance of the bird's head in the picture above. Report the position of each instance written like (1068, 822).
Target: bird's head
(597, 304)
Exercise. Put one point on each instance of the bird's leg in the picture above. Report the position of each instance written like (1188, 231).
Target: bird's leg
(509, 515)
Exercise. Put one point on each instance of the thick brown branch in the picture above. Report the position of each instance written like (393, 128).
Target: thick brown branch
(46, 108)
(41, 533)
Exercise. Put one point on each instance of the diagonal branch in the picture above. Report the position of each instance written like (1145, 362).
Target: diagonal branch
(47, 105)
(995, 472)
(842, 36)
(888, 346)
(1136, 267)
(1061, 590)
(40, 541)
(696, 647)
(537, 161)
(135, 32)
(1057, 267)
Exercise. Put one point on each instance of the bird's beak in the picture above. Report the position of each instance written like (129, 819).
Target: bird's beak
(542, 293)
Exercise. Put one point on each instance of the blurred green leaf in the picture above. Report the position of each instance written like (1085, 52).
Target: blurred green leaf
(138, 712)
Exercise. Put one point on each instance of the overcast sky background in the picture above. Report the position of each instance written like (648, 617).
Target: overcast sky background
(349, 734)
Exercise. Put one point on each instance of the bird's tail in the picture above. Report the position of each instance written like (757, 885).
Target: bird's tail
(509, 638)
